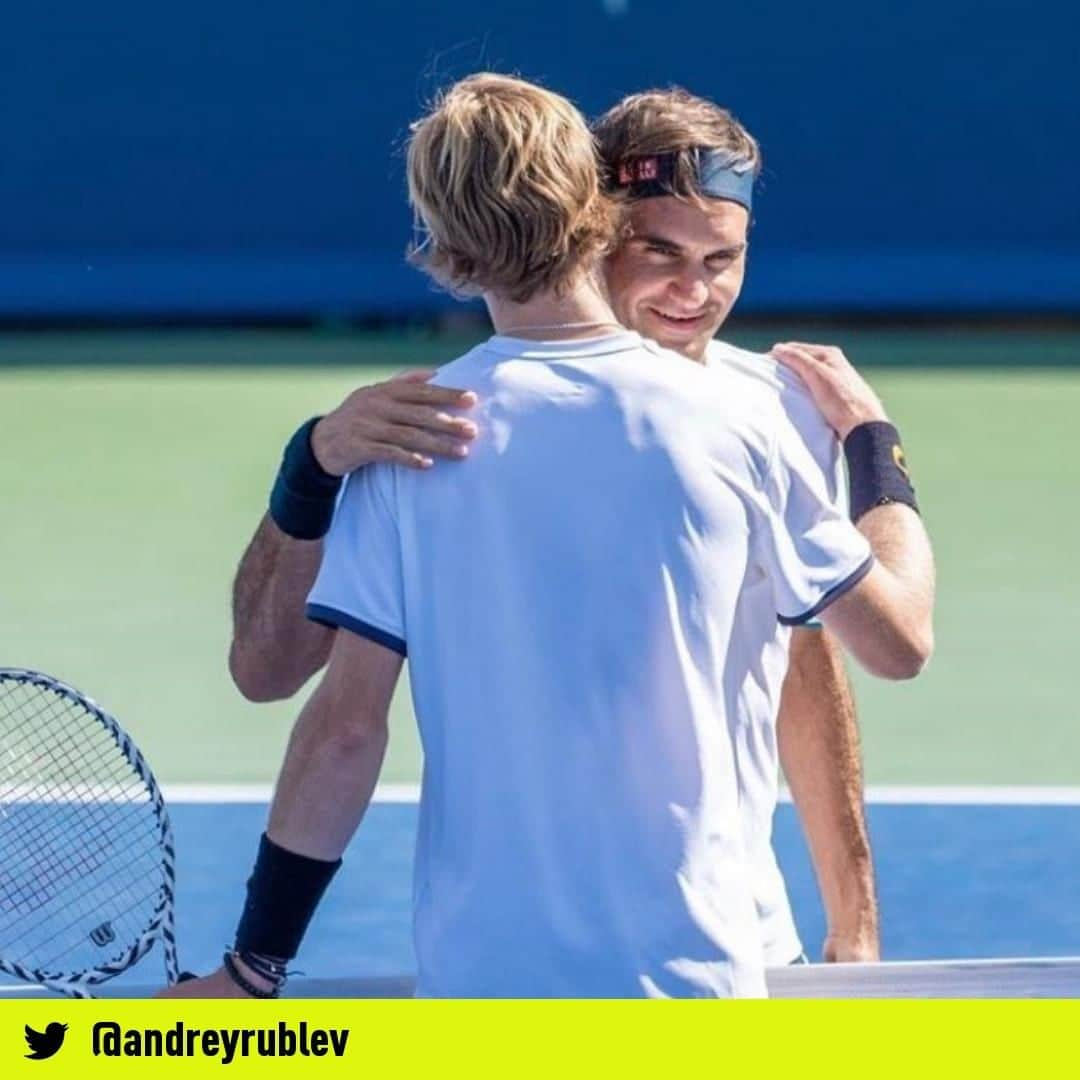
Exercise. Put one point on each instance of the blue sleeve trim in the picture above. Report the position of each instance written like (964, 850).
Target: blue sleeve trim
(834, 593)
(328, 616)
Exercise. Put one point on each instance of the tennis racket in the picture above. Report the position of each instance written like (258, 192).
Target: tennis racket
(86, 848)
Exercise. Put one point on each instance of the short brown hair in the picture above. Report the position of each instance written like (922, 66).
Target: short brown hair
(505, 186)
(672, 121)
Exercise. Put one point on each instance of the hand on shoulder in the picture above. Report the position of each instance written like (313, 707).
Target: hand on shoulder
(844, 397)
(403, 421)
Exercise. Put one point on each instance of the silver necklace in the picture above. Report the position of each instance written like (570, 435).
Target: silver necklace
(511, 330)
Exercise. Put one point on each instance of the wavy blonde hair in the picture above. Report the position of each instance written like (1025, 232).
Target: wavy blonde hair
(672, 121)
(505, 187)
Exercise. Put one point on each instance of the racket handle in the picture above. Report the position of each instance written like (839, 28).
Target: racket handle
(186, 976)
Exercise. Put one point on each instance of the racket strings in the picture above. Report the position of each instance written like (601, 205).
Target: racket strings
(41, 889)
(36, 829)
(43, 885)
(35, 832)
(39, 892)
(80, 836)
(48, 961)
(62, 879)
(38, 841)
(37, 836)
(71, 756)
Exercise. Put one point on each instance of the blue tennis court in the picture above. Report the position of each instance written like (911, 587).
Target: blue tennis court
(955, 881)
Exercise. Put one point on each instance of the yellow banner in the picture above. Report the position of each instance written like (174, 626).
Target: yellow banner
(556, 1040)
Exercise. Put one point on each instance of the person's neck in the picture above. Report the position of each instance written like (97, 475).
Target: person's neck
(583, 312)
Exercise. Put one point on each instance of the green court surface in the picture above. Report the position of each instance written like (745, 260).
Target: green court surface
(135, 467)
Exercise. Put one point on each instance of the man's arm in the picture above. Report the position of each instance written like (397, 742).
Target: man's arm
(336, 750)
(404, 420)
(331, 766)
(886, 620)
(818, 740)
(275, 649)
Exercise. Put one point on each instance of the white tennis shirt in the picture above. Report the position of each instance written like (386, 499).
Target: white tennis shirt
(771, 389)
(573, 602)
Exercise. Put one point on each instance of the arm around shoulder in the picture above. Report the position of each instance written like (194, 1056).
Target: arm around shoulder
(885, 619)
(275, 647)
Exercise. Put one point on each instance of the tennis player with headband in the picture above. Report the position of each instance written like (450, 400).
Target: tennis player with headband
(680, 250)
(687, 168)
(578, 654)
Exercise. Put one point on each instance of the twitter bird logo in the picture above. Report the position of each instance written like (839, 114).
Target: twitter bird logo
(43, 1044)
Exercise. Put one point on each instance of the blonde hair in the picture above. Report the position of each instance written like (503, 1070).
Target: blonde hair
(504, 183)
(672, 121)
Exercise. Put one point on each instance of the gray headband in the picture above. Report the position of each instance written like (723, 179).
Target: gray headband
(718, 175)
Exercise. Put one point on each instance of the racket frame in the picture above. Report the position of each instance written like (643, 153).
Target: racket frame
(162, 923)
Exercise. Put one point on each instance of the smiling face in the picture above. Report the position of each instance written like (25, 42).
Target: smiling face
(678, 274)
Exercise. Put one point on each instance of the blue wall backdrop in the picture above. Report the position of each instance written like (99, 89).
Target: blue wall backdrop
(245, 158)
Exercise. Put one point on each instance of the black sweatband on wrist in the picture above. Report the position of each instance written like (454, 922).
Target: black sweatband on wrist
(304, 493)
(877, 470)
(282, 894)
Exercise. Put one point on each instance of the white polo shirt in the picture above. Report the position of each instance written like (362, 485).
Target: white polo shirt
(569, 601)
(770, 388)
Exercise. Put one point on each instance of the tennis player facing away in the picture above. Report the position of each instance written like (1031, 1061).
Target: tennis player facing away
(573, 653)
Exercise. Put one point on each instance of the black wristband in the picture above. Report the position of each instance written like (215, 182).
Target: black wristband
(304, 493)
(877, 470)
(282, 894)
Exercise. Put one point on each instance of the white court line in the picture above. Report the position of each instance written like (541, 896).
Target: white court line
(260, 793)
(1005, 795)
(897, 795)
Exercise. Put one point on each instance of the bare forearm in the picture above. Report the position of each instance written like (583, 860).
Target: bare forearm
(886, 620)
(325, 785)
(901, 545)
(819, 750)
(900, 614)
(275, 648)
(326, 782)
(328, 777)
